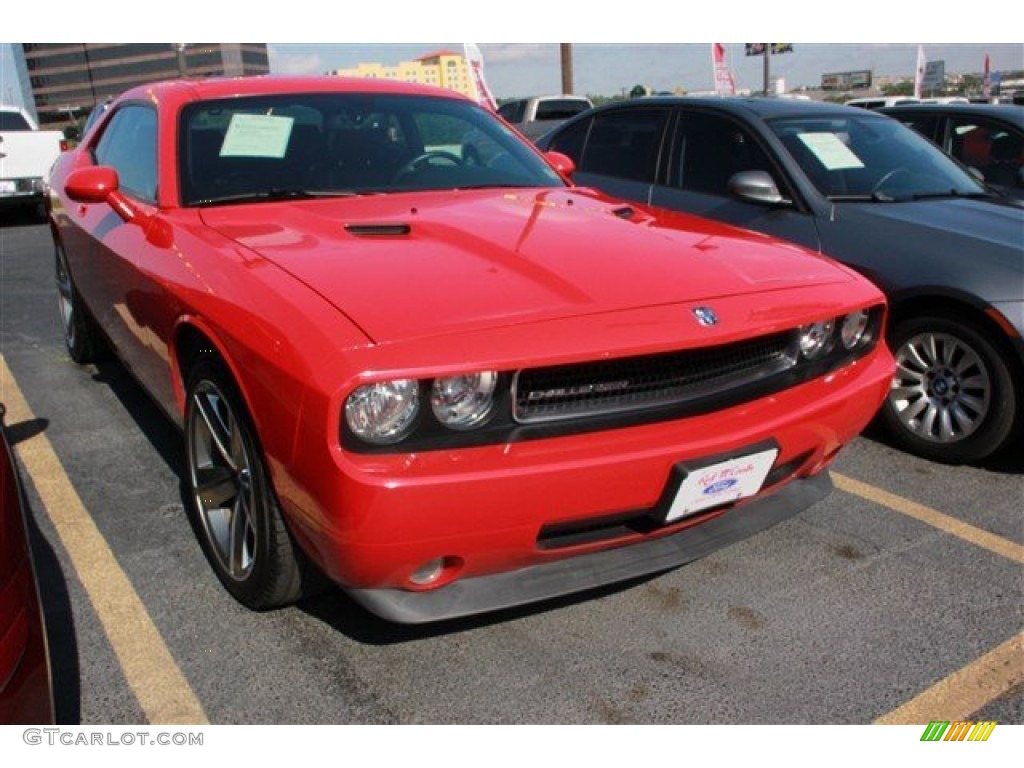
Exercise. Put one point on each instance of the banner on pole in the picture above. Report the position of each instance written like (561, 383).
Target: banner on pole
(725, 85)
(475, 62)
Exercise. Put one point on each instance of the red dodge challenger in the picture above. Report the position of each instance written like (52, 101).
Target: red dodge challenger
(450, 385)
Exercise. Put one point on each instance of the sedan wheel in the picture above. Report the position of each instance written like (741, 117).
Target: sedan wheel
(951, 398)
(80, 333)
(235, 511)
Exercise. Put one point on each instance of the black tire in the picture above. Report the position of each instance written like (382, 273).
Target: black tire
(952, 398)
(234, 509)
(82, 336)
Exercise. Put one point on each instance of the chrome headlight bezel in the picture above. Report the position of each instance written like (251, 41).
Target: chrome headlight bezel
(855, 330)
(383, 412)
(816, 339)
(465, 401)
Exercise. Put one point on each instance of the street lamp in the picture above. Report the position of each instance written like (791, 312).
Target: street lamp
(179, 48)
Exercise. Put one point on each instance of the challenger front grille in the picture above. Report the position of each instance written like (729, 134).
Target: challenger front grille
(634, 383)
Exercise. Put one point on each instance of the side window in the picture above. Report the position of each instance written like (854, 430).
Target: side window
(128, 145)
(570, 140)
(513, 111)
(991, 148)
(926, 125)
(624, 144)
(713, 148)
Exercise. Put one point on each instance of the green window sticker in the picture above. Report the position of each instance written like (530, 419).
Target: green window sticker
(257, 136)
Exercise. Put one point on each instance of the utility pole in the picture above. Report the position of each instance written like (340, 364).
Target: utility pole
(566, 49)
(179, 48)
(767, 67)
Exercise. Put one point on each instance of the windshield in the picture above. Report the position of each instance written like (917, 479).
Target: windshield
(866, 157)
(312, 145)
(13, 121)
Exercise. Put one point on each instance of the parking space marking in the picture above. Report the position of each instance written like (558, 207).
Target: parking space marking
(967, 690)
(151, 672)
(932, 517)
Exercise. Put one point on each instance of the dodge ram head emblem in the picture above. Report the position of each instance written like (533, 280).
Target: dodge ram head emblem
(705, 315)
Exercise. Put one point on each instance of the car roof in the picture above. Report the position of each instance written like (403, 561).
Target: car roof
(766, 108)
(226, 87)
(1009, 112)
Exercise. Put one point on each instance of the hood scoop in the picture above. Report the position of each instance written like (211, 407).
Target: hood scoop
(378, 230)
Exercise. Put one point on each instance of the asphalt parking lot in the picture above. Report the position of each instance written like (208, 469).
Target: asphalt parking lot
(897, 599)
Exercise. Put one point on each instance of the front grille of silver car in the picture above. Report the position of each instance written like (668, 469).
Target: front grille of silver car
(635, 383)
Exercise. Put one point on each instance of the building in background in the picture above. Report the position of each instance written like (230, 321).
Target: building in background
(442, 69)
(68, 79)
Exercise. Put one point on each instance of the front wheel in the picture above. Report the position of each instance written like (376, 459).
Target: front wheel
(234, 507)
(952, 398)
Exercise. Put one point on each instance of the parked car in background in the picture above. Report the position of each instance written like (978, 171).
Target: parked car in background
(26, 693)
(870, 192)
(986, 137)
(451, 387)
(536, 116)
(878, 102)
(26, 155)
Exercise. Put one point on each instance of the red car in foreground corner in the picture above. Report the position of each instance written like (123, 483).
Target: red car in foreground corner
(26, 694)
(452, 386)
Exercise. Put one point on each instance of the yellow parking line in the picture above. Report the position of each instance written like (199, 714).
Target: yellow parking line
(151, 672)
(970, 688)
(950, 525)
(967, 690)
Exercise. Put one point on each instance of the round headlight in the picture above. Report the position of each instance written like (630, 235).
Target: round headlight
(464, 402)
(816, 338)
(383, 412)
(854, 329)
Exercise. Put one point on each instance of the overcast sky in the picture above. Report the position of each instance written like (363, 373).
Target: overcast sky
(521, 69)
(616, 45)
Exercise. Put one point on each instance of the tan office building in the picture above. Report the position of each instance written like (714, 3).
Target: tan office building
(443, 69)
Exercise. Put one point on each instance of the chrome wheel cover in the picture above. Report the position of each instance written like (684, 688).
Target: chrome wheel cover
(221, 476)
(941, 391)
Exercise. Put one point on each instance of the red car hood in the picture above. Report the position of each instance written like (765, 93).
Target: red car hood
(475, 259)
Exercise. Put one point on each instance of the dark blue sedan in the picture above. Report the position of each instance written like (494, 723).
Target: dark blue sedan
(870, 192)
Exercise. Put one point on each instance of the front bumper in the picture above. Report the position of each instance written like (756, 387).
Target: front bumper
(22, 191)
(576, 574)
(517, 519)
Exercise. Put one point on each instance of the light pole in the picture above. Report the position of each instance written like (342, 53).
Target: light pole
(566, 50)
(179, 49)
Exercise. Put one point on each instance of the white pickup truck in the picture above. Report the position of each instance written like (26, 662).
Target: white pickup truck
(536, 116)
(26, 154)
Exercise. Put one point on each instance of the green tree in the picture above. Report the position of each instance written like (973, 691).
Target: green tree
(638, 91)
(902, 88)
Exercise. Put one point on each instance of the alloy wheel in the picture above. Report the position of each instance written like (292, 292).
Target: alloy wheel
(65, 297)
(221, 474)
(942, 389)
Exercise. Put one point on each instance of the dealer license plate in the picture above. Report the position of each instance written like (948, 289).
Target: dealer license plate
(721, 483)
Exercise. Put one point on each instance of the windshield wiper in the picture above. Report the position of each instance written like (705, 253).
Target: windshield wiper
(500, 185)
(950, 193)
(276, 193)
(874, 197)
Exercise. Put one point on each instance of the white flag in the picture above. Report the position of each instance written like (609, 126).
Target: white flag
(475, 61)
(919, 74)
